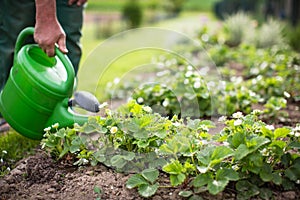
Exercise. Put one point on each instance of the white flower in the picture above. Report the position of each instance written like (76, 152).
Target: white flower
(186, 81)
(176, 124)
(197, 84)
(4, 151)
(188, 73)
(56, 125)
(237, 122)
(47, 129)
(190, 67)
(222, 119)
(113, 129)
(147, 109)
(270, 127)
(140, 100)
(116, 81)
(286, 94)
(225, 143)
(256, 112)
(165, 103)
(1, 160)
(104, 104)
(204, 127)
(237, 115)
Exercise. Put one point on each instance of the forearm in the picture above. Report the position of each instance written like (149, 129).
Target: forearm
(45, 11)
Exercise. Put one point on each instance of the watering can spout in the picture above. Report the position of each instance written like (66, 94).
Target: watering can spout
(64, 116)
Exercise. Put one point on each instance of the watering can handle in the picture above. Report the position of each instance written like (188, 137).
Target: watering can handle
(30, 31)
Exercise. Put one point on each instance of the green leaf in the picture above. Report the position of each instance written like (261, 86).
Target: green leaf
(186, 194)
(266, 173)
(177, 179)
(118, 161)
(220, 153)
(135, 181)
(265, 193)
(129, 156)
(278, 143)
(97, 190)
(295, 145)
(267, 132)
(241, 152)
(216, 186)
(257, 142)
(246, 189)
(202, 179)
(147, 190)
(227, 174)
(281, 132)
(150, 175)
(175, 167)
(277, 179)
(204, 156)
(237, 139)
(293, 172)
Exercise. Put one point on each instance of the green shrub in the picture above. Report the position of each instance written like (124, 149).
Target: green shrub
(133, 13)
(236, 26)
(293, 35)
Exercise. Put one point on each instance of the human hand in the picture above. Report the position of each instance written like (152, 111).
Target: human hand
(77, 2)
(47, 35)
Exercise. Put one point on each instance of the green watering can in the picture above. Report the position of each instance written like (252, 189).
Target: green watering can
(39, 89)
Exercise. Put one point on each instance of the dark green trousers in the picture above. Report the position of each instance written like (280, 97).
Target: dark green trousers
(16, 15)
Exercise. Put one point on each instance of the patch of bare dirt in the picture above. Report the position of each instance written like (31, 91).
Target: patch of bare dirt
(40, 177)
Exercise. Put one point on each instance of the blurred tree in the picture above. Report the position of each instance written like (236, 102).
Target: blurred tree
(174, 7)
(133, 13)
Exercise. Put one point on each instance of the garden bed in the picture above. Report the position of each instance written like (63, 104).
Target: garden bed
(40, 177)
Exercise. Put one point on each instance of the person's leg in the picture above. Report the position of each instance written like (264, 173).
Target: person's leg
(71, 19)
(14, 16)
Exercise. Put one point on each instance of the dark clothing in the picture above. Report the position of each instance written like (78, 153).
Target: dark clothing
(16, 15)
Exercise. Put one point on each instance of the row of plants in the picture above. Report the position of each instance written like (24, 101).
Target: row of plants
(231, 78)
(248, 153)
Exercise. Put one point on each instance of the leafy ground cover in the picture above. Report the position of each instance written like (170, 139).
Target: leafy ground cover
(135, 152)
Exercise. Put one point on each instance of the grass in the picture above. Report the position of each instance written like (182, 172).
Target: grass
(14, 147)
(116, 57)
(117, 5)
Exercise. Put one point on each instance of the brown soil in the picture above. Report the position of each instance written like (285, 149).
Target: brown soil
(40, 177)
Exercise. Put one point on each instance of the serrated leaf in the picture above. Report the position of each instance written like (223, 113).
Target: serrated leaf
(281, 132)
(202, 179)
(293, 172)
(118, 161)
(135, 181)
(265, 193)
(204, 156)
(147, 190)
(216, 186)
(295, 145)
(266, 173)
(129, 156)
(175, 167)
(220, 153)
(227, 174)
(177, 179)
(241, 152)
(150, 175)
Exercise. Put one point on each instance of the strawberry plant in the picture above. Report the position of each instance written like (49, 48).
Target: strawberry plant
(247, 153)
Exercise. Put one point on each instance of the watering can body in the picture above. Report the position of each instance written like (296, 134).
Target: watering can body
(38, 89)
